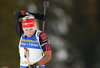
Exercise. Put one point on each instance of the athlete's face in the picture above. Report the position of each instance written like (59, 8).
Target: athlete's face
(29, 31)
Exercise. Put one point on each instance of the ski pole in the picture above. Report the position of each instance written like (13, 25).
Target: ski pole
(27, 55)
(46, 5)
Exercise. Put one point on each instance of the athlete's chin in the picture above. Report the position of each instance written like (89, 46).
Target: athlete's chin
(29, 35)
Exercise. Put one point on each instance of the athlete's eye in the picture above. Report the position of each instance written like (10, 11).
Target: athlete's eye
(30, 29)
(26, 29)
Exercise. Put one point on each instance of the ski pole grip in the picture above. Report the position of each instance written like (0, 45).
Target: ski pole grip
(46, 4)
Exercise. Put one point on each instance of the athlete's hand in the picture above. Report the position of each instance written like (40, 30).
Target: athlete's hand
(40, 16)
(33, 66)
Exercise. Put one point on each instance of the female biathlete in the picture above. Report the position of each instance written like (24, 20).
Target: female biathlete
(34, 47)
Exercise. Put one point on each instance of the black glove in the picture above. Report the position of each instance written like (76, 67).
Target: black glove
(40, 16)
(33, 66)
(37, 15)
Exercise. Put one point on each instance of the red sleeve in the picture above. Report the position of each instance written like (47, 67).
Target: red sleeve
(46, 58)
(45, 45)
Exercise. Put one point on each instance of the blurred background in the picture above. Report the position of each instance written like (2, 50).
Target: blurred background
(73, 27)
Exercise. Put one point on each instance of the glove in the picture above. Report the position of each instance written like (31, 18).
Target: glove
(40, 16)
(33, 66)
(37, 15)
(30, 14)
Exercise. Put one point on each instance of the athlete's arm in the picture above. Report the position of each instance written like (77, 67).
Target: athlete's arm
(45, 44)
(17, 24)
